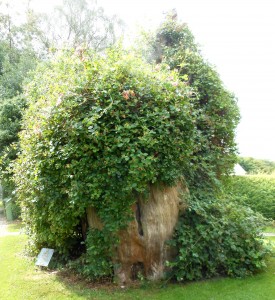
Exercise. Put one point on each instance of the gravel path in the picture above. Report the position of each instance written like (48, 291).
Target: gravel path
(268, 234)
(4, 226)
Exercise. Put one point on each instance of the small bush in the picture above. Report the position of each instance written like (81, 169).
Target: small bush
(96, 263)
(13, 207)
(218, 238)
(16, 211)
(257, 192)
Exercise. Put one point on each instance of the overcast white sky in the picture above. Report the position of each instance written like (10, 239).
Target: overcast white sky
(238, 36)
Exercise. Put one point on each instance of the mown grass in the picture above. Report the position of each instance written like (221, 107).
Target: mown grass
(15, 226)
(270, 229)
(20, 279)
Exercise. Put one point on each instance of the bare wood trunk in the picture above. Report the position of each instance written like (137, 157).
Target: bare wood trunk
(142, 245)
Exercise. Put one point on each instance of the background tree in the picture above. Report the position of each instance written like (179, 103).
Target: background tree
(26, 42)
(81, 23)
(10, 120)
(17, 55)
(20, 51)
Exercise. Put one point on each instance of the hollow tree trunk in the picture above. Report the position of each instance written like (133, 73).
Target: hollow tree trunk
(143, 245)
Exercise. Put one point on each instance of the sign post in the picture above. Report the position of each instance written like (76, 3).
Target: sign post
(44, 257)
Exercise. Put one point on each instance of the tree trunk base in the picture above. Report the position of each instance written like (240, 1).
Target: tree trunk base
(143, 250)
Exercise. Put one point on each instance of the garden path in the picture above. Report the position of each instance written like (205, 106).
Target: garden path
(268, 234)
(4, 226)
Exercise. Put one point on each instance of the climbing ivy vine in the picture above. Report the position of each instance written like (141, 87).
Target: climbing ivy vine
(217, 114)
(97, 131)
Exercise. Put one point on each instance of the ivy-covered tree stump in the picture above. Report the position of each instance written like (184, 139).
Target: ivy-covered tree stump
(113, 134)
(143, 245)
(109, 138)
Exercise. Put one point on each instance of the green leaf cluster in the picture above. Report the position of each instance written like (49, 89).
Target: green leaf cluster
(15, 63)
(218, 238)
(98, 130)
(210, 234)
(101, 128)
(11, 111)
(216, 110)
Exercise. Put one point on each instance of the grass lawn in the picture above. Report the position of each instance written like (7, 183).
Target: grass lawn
(19, 279)
(15, 226)
(272, 239)
(270, 229)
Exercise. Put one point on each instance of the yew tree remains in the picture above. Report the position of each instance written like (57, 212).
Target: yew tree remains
(114, 148)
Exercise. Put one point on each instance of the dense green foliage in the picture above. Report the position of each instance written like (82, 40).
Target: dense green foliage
(217, 114)
(17, 58)
(14, 66)
(97, 131)
(210, 233)
(100, 129)
(218, 238)
(11, 111)
(255, 191)
(257, 166)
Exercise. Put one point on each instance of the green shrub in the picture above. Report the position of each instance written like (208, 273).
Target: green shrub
(97, 261)
(215, 107)
(16, 210)
(97, 131)
(218, 238)
(11, 111)
(255, 191)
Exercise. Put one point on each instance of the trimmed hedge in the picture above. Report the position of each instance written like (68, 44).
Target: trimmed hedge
(255, 166)
(255, 191)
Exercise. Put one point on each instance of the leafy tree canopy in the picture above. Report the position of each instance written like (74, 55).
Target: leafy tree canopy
(99, 129)
(10, 120)
(216, 109)
(81, 23)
